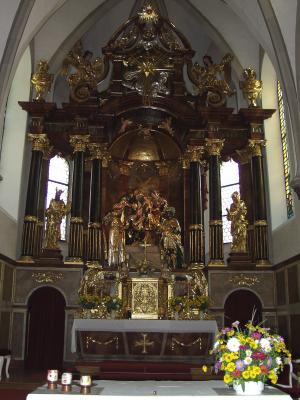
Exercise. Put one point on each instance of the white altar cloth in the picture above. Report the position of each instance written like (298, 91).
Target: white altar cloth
(141, 325)
(141, 390)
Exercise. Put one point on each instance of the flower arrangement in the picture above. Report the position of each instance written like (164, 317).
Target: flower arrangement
(177, 303)
(199, 302)
(89, 301)
(250, 354)
(112, 303)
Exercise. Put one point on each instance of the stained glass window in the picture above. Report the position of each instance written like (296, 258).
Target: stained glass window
(229, 184)
(285, 153)
(58, 179)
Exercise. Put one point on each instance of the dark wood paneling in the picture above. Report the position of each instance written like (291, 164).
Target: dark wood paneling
(295, 342)
(4, 331)
(280, 288)
(283, 327)
(293, 284)
(7, 283)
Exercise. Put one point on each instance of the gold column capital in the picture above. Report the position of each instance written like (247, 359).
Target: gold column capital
(79, 142)
(255, 146)
(98, 151)
(192, 153)
(40, 141)
(214, 146)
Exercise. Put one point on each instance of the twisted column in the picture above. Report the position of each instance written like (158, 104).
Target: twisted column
(261, 250)
(214, 147)
(75, 255)
(98, 153)
(40, 144)
(193, 161)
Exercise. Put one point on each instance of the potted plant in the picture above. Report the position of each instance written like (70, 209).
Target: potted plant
(177, 305)
(199, 303)
(89, 301)
(249, 357)
(113, 305)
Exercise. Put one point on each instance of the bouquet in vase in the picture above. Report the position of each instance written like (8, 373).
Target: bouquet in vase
(89, 301)
(113, 303)
(249, 354)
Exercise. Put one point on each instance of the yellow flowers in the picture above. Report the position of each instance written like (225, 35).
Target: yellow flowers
(204, 368)
(227, 378)
(246, 374)
(230, 367)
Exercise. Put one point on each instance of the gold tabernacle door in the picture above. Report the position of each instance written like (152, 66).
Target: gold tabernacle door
(145, 298)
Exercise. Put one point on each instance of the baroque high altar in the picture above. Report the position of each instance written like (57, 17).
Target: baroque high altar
(146, 166)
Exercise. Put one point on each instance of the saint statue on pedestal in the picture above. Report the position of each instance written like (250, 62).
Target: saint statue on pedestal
(171, 239)
(237, 215)
(55, 212)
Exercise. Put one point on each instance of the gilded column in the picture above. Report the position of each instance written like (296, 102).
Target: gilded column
(193, 160)
(214, 147)
(78, 142)
(98, 153)
(259, 203)
(40, 144)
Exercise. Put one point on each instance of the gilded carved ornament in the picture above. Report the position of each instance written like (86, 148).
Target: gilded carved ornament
(30, 218)
(40, 141)
(98, 151)
(208, 79)
(148, 14)
(79, 142)
(88, 73)
(193, 153)
(42, 80)
(255, 146)
(214, 146)
(251, 87)
(47, 277)
(76, 220)
(244, 280)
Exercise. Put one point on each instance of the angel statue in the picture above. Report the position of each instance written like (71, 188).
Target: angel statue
(82, 71)
(116, 239)
(237, 215)
(55, 212)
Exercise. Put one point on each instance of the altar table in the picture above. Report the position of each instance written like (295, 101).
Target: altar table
(141, 390)
(143, 339)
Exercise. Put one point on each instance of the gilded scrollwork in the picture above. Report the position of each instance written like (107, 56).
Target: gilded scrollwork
(47, 277)
(244, 280)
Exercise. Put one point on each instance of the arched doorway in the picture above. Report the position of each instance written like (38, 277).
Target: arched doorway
(45, 329)
(239, 306)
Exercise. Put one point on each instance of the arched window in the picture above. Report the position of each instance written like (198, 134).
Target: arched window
(58, 178)
(285, 153)
(230, 183)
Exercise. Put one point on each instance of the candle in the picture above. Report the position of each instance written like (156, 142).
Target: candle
(85, 380)
(66, 378)
(52, 375)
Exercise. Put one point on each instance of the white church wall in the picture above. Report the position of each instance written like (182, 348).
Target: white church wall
(8, 12)
(286, 17)
(274, 159)
(12, 157)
